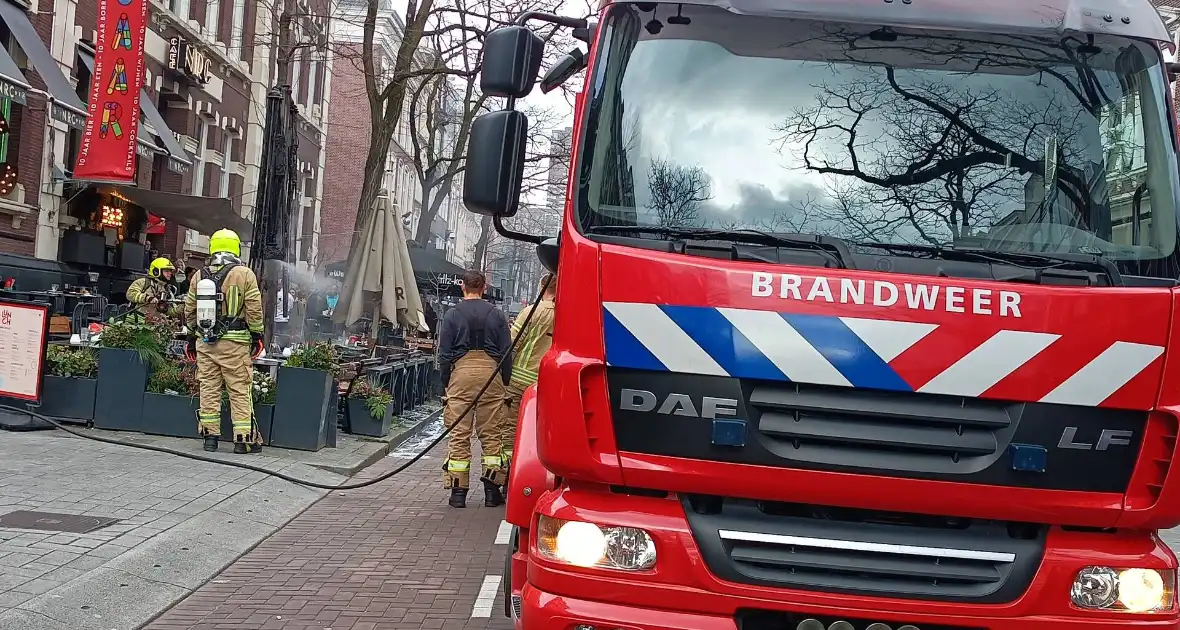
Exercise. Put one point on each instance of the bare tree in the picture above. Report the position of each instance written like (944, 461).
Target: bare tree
(677, 192)
(442, 106)
(939, 159)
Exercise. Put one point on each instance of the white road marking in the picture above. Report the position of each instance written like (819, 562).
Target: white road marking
(504, 533)
(487, 596)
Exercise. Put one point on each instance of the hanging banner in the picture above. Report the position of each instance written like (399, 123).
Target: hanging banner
(112, 126)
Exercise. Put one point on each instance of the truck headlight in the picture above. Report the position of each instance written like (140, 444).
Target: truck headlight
(1126, 590)
(588, 545)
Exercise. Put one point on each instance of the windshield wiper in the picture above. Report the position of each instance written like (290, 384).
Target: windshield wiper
(1029, 260)
(834, 247)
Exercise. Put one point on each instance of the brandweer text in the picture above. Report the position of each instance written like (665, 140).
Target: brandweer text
(884, 294)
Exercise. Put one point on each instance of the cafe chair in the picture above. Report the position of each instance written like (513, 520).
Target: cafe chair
(99, 306)
(79, 319)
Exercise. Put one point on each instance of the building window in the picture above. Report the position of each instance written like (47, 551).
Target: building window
(227, 167)
(296, 66)
(180, 8)
(313, 79)
(200, 157)
(1171, 18)
(213, 19)
(237, 29)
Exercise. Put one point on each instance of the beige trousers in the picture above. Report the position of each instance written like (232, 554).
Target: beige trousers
(467, 377)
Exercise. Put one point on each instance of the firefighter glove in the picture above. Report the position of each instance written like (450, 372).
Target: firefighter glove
(190, 348)
(256, 345)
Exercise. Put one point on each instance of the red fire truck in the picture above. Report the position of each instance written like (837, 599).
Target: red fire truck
(863, 320)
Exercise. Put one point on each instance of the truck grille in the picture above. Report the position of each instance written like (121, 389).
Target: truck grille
(883, 430)
(907, 435)
(774, 620)
(864, 552)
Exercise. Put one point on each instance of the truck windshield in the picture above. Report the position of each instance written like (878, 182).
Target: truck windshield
(703, 118)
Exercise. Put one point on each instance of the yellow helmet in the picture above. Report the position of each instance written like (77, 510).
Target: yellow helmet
(226, 241)
(158, 267)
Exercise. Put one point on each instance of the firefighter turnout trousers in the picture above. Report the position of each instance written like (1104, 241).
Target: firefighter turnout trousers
(468, 376)
(509, 416)
(226, 362)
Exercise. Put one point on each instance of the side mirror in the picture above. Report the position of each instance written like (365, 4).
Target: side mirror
(561, 71)
(511, 62)
(495, 163)
(547, 254)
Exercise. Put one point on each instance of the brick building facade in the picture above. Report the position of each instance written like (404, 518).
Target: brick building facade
(208, 65)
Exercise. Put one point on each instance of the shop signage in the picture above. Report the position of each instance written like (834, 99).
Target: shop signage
(68, 116)
(15, 93)
(110, 136)
(145, 151)
(189, 60)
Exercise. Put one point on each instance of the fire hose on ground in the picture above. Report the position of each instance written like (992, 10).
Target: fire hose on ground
(303, 482)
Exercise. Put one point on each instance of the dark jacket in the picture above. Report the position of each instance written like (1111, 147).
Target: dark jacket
(464, 326)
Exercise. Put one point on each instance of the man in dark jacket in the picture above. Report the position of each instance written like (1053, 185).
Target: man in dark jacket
(474, 338)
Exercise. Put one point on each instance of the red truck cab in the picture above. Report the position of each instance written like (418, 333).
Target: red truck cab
(864, 318)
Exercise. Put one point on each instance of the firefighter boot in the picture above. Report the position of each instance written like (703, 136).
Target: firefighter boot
(211, 443)
(241, 448)
(458, 498)
(492, 495)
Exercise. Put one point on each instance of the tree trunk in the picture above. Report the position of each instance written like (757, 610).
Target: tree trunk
(431, 206)
(380, 137)
(481, 245)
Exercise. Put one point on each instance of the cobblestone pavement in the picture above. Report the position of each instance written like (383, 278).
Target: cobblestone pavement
(391, 556)
(180, 522)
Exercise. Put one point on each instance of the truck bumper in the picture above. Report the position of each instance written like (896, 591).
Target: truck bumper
(546, 611)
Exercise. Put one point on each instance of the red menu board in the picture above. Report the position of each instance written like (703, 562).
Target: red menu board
(24, 330)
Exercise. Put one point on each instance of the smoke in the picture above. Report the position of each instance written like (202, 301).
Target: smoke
(306, 280)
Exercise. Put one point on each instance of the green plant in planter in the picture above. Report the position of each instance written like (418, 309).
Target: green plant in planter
(68, 362)
(149, 340)
(173, 378)
(375, 397)
(316, 356)
(264, 389)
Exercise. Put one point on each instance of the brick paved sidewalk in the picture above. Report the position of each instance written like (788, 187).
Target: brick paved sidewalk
(391, 556)
(179, 522)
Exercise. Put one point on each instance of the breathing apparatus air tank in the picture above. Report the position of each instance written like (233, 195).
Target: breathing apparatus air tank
(206, 304)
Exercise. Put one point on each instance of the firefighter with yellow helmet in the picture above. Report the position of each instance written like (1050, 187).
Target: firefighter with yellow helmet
(223, 310)
(535, 341)
(149, 296)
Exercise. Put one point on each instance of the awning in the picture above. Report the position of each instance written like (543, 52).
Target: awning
(13, 84)
(438, 276)
(66, 106)
(430, 263)
(176, 153)
(203, 214)
(171, 147)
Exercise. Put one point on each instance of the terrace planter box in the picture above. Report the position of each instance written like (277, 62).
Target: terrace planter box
(172, 415)
(264, 416)
(305, 406)
(68, 398)
(122, 383)
(361, 422)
